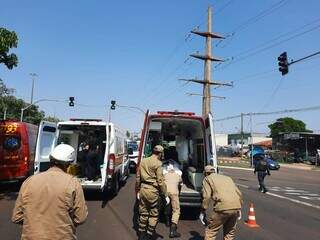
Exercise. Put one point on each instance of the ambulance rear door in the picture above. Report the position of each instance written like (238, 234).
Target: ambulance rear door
(211, 141)
(46, 141)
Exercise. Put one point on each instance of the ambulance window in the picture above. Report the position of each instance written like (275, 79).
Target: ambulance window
(46, 144)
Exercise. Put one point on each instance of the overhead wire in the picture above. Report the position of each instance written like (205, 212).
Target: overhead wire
(268, 47)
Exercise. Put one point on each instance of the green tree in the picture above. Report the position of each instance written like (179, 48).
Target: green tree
(287, 124)
(52, 119)
(8, 40)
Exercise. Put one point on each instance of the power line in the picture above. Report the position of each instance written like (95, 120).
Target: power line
(314, 108)
(270, 46)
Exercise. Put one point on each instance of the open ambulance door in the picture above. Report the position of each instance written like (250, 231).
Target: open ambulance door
(104, 167)
(46, 141)
(143, 138)
(211, 141)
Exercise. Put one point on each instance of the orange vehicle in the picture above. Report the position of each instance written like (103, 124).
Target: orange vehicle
(17, 150)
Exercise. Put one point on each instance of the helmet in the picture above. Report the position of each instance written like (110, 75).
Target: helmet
(158, 148)
(63, 153)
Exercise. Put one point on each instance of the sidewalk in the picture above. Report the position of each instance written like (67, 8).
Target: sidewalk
(300, 166)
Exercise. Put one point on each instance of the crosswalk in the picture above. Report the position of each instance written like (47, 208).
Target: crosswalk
(299, 193)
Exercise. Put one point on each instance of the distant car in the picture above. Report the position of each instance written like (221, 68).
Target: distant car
(272, 164)
(133, 145)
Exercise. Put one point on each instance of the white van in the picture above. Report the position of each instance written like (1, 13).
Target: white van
(112, 165)
(189, 141)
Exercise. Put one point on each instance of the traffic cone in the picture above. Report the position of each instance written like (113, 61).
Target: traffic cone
(251, 222)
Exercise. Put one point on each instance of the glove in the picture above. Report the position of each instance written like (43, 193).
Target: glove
(167, 200)
(239, 215)
(203, 218)
(138, 196)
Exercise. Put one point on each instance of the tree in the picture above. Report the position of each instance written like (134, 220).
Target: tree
(8, 40)
(13, 105)
(52, 119)
(287, 124)
(128, 134)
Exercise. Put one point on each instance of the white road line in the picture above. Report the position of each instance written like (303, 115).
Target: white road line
(287, 198)
(294, 200)
(242, 185)
(238, 168)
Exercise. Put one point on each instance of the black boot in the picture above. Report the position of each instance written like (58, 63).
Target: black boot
(173, 231)
(142, 236)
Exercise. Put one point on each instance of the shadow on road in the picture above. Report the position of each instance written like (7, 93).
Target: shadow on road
(195, 236)
(9, 191)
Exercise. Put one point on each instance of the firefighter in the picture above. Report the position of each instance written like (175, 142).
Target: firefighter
(149, 186)
(262, 168)
(222, 202)
(50, 205)
(173, 181)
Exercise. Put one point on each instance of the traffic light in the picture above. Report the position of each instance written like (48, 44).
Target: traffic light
(113, 105)
(283, 63)
(71, 101)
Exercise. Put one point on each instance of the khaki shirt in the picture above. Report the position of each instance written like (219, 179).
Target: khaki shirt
(222, 192)
(172, 180)
(150, 173)
(49, 206)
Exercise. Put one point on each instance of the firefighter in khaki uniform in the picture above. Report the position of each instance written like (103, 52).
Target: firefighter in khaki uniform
(173, 181)
(222, 202)
(149, 185)
(51, 204)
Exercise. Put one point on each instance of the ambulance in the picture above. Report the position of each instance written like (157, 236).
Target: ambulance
(109, 141)
(188, 140)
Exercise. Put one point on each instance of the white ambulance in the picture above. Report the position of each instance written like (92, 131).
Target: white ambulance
(112, 166)
(189, 141)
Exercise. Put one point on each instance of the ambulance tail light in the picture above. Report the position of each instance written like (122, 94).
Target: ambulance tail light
(111, 163)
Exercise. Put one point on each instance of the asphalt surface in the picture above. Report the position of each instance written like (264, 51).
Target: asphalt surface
(279, 218)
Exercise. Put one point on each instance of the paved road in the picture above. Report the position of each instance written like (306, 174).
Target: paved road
(279, 218)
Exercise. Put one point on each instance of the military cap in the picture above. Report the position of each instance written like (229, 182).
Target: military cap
(158, 148)
(209, 169)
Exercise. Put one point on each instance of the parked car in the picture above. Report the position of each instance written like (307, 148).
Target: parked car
(133, 157)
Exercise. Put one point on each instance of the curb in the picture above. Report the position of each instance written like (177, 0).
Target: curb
(239, 168)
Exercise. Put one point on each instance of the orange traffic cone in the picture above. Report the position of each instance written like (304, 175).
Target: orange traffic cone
(251, 222)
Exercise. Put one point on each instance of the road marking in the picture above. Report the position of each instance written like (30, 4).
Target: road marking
(294, 200)
(287, 198)
(238, 168)
(242, 185)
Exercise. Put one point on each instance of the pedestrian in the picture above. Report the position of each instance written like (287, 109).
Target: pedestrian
(149, 186)
(222, 202)
(173, 182)
(262, 168)
(50, 205)
(91, 163)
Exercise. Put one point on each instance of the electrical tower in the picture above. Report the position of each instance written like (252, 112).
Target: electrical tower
(207, 58)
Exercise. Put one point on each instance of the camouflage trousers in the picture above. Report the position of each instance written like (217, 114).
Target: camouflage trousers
(148, 209)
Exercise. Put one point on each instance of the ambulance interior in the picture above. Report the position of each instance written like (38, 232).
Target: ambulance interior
(78, 136)
(183, 140)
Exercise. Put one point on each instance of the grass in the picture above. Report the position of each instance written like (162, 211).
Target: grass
(235, 164)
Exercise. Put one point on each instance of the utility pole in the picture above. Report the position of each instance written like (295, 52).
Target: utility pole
(207, 58)
(33, 76)
(241, 132)
(5, 113)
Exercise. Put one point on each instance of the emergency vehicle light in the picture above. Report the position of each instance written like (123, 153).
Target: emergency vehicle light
(86, 120)
(175, 113)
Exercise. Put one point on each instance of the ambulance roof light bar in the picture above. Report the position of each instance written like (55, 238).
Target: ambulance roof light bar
(175, 113)
(85, 120)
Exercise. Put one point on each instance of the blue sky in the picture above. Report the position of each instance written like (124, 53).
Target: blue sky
(135, 52)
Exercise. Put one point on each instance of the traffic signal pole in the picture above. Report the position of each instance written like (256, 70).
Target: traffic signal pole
(284, 63)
